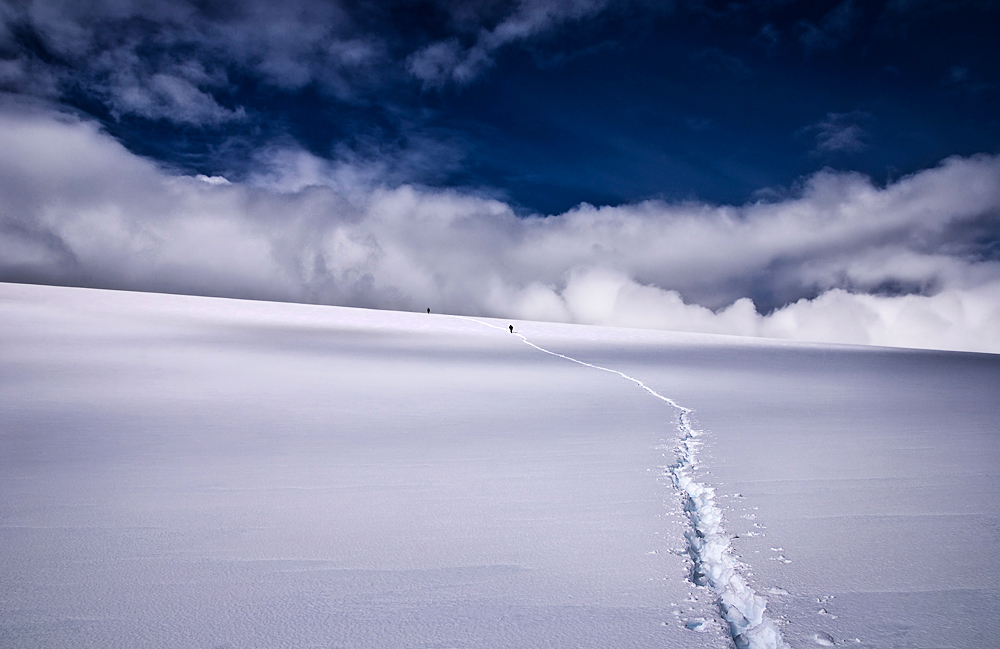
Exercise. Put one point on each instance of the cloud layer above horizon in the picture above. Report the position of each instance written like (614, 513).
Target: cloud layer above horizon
(839, 259)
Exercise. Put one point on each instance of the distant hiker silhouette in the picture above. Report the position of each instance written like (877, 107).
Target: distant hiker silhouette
(512, 328)
(428, 309)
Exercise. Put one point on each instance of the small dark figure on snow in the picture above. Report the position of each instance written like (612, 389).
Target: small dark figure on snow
(428, 309)
(512, 328)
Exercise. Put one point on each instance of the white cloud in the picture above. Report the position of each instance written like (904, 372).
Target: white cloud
(435, 63)
(957, 318)
(446, 61)
(166, 96)
(840, 133)
(172, 59)
(843, 261)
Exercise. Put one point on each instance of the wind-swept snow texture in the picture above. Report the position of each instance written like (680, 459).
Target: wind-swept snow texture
(192, 472)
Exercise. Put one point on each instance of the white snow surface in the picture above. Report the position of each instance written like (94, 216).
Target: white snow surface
(194, 472)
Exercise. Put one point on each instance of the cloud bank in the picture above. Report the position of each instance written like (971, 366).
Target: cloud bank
(839, 259)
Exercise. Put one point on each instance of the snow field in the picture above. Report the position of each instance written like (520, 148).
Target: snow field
(191, 472)
(180, 471)
(854, 483)
(741, 608)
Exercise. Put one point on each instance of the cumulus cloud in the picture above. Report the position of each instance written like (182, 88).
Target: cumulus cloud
(843, 260)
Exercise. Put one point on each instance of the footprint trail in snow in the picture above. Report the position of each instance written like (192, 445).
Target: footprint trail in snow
(741, 608)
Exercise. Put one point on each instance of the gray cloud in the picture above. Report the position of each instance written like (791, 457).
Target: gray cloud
(842, 260)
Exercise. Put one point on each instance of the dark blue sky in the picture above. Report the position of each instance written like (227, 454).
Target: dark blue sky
(545, 104)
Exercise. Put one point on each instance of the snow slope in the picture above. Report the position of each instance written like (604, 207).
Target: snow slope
(180, 471)
(863, 484)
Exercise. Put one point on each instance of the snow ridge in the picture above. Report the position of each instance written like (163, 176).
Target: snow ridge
(708, 544)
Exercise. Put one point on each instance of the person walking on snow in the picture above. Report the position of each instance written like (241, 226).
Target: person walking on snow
(512, 328)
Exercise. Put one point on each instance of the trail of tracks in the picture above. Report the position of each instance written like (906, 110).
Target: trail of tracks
(741, 608)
